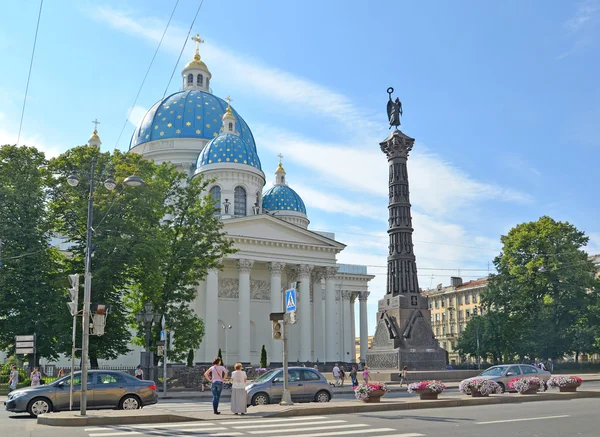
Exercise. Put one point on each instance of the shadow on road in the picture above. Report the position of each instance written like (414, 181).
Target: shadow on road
(422, 418)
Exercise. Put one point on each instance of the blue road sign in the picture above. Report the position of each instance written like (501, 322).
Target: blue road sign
(290, 300)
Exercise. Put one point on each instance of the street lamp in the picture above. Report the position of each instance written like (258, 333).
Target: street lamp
(147, 317)
(109, 184)
(226, 329)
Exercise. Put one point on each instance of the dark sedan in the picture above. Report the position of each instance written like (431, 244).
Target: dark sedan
(105, 389)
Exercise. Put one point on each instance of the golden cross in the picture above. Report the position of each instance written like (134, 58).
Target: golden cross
(280, 156)
(96, 123)
(229, 100)
(198, 42)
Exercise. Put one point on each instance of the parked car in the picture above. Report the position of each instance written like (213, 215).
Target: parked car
(105, 389)
(503, 374)
(305, 385)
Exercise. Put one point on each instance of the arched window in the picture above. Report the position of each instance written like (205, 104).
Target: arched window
(230, 127)
(200, 80)
(239, 201)
(190, 78)
(215, 192)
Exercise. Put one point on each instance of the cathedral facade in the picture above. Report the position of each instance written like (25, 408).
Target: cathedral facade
(203, 134)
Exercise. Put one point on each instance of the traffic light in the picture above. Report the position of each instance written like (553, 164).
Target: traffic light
(73, 294)
(276, 330)
(99, 313)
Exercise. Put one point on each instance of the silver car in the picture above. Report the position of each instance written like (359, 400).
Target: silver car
(503, 374)
(105, 389)
(305, 385)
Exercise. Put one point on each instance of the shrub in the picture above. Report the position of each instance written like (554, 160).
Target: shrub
(563, 381)
(363, 391)
(524, 384)
(433, 386)
(483, 386)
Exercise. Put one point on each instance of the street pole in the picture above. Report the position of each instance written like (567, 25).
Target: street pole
(165, 361)
(148, 326)
(226, 348)
(87, 295)
(286, 399)
(72, 363)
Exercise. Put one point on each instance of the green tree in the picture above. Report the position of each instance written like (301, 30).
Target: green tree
(190, 358)
(32, 287)
(545, 283)
(263, 357)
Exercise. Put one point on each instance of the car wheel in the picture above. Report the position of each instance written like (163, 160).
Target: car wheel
(39, 406)
(130, 402)
(322, 396)
(260, 399)
(502, 388)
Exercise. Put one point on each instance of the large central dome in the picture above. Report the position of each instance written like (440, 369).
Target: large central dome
(187, 114)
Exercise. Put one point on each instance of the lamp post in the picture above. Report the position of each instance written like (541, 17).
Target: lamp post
(109, 184)
(226, 328)
(148, 316)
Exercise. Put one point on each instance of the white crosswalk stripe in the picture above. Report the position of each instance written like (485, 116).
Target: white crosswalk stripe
(310, 426)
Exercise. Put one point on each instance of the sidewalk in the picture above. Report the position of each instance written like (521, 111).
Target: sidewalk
(164, 415)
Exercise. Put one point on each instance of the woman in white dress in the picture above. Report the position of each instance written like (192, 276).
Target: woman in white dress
(239, 402)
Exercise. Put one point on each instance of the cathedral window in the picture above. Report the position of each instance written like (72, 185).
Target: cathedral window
(239, 201)
(200, 80)
(230, 127)
(190, 79)
(215, 192)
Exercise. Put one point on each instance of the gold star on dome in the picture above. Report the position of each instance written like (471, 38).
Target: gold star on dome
(208, 126)
(178, 131)
(162, 133)
(179, 117)
(198, 117)
(170, 124)
(198, 131)
(188, 124)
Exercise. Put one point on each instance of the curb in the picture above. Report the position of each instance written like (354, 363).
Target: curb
(47, 419)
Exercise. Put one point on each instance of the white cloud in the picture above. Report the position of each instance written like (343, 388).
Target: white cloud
(585, 14)
(8, 136)
(136, 115)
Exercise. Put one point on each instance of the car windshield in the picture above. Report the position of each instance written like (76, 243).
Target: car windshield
(493, 371)
(265, 376)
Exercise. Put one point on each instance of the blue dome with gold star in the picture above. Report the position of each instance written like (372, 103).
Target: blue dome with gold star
(282, 198)
(188, 114)
(228, 148)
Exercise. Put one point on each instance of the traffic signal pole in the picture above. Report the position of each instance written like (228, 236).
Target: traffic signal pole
(286, 399)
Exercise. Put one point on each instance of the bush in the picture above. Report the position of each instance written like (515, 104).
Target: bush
(263, 357)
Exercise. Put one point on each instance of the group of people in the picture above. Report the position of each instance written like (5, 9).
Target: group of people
(35, 377)
(216, 376)
(339, 375)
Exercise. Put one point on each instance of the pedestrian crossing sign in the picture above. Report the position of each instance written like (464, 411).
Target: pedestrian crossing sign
(290, 300)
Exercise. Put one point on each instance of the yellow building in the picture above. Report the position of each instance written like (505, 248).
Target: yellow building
(452, 307)
(357, 349)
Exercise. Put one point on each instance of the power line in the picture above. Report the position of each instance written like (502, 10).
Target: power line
(146, 75)
(183, 48)
(30, 68)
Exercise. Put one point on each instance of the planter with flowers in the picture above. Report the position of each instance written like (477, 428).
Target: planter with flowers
(427, 390)
(526, 386)
(479, 387)
(565, 383)
(371, 392)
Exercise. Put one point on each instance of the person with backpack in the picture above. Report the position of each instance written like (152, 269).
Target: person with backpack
(403, 375)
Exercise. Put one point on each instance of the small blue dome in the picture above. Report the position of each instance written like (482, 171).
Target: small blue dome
(187, 114)
(282, 198)
(228, 148)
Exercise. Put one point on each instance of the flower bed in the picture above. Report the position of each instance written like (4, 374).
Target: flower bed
(479, 387)
(565, 383)
(364, 392)
(427, 389)
(527, 385)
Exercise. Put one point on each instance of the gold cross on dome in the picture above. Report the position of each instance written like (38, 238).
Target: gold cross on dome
(96, 123)
(229, 100)
(198, 42)
(280, 156)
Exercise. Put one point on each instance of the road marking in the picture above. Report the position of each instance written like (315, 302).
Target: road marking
(150, 429)
(172, 425)
(521, 420)
(113, 433)
(313, 428)
(360, 431)
(279, 425)
(298, 419)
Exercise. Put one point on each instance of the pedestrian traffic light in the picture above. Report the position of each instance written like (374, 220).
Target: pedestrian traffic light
(276, 330)
(73, 294)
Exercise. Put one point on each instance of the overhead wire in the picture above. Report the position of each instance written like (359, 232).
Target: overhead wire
(37, 27)
(146, 75)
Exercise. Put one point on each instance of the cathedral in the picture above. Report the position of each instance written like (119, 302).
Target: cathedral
(203, 134)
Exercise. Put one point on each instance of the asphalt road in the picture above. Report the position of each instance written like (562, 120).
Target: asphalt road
(577, 417)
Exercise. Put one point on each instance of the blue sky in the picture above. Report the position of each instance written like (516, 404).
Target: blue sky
(503, 99)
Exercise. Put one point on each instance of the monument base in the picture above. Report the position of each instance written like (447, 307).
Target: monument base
(414, 358)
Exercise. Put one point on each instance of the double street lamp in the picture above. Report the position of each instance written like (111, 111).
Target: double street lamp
(147, 316)
(226, 328)
(109, 184)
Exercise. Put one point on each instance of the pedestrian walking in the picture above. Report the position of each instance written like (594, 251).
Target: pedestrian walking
(353, 376)
(366, 374)
(403, 376)
(215, 375)
(13, 379)
(61, 373)
(239, 402)
(139, 372)
(35, 377)
(342, 375)
(336, 375)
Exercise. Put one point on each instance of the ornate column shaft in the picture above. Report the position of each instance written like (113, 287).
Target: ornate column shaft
(211, 317)
(364, 324)
(244, 266)
(347, 326)
(317, 303)
(304, 315)
(275, 268)
(402, 267)
(331, 346)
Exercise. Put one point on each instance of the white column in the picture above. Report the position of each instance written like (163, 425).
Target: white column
(318, 331)
(364, 325)
(244, 266)
(200, 310)
(304, 316)
(353, 328)
(276, 307)
(211, 318)
(330, 315)
(347, 327)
